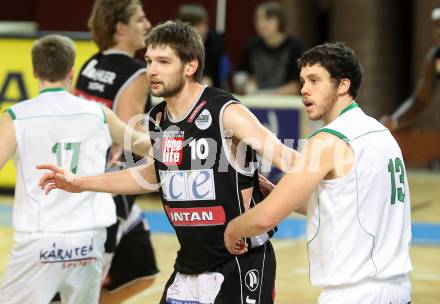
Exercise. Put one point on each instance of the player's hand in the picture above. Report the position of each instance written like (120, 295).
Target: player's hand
(266, 185)
(58, 179)
(234, 245)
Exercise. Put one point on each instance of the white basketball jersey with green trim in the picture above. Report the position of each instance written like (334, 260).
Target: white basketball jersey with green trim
(360, 226)
(59, 128)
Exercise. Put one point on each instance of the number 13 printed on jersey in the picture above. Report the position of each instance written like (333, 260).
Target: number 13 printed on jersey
(396, 167)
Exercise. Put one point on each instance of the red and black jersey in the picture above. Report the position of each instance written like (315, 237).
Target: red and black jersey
(105, 75)
(200, 182)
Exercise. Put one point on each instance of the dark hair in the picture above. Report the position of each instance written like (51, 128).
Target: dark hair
(339, 60)
(53, 57)
(194, 14)
(182, 39)
(105, 16)
(274, 9)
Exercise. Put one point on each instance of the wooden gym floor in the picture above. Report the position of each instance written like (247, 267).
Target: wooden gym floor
(292, 284)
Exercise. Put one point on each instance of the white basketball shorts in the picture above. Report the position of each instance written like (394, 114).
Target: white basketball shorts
(42, 264)
(396, 291)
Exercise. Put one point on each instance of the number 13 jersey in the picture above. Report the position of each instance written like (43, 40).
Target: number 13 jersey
(360, 227)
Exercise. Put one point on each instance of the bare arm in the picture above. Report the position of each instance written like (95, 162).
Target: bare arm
(301, 180)
(246, 127)
(132, 100)
(140, 141)
(422, 97)
(8, 141)
(140, 179)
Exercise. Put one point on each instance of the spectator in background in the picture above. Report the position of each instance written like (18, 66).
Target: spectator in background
(426, 92)
(197, 16)
(270, 59)
(416, 123)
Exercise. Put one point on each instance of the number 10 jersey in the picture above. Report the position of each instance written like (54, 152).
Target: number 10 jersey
(201, 180)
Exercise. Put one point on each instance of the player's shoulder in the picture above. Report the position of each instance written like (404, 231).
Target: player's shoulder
(158, 108)
(34, 105)
(218, 95)
(85, 105)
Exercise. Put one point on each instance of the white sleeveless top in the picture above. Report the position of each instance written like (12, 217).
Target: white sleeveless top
(59, 128)
(360, 226)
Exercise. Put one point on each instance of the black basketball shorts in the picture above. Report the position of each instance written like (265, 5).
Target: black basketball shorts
(249, 278)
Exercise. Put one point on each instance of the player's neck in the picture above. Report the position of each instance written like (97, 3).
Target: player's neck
(337, 108)
(43, 85)
(180, 104)
(123, 48)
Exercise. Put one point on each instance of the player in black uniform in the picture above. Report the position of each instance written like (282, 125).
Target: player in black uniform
(204, 144)
(115, 78)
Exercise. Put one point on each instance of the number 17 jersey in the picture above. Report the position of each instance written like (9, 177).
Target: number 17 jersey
(58, 128)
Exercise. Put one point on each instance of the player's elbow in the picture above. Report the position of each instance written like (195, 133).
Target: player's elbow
(266, 223)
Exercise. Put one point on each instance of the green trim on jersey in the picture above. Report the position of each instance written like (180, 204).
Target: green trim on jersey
(11, 113)
(51, 90)
(103, 113)
(375, 131)
(334, 132)
(331, 131)
(60, 116)
(348, 108)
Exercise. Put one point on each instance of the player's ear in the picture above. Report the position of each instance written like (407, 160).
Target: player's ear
(344, 86)
(191, 67)
(71, 74)
(121, 28)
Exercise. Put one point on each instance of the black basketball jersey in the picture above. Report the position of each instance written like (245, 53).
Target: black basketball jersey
(103, 77)
(200, 183)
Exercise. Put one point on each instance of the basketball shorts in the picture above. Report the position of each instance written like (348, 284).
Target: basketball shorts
(133, 259)
(43, 263)
(396, 291)
(249, 278)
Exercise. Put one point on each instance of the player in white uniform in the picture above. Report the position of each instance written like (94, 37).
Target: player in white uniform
(59, 238)
(359, 230)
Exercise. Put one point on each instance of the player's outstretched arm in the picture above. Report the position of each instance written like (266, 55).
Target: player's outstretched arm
(246, 127)
(290, 194)
(135, 180)
(140, 143)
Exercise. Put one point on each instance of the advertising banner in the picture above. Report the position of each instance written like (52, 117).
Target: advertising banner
(17, 82)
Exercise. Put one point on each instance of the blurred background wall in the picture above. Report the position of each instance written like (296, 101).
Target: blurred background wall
(391, 37)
